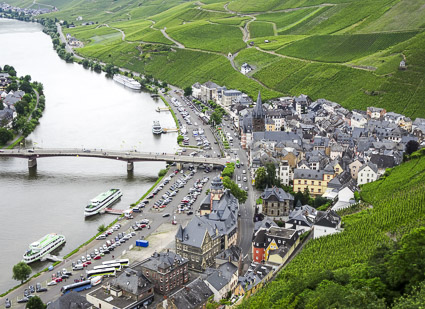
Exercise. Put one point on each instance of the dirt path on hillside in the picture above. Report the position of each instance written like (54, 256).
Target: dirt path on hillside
(179, 45)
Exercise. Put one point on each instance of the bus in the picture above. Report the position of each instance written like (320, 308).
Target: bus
(77, 287)
(117, 266)
(106, 272)
(123, 262)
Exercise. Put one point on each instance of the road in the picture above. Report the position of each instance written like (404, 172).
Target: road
(246, 225)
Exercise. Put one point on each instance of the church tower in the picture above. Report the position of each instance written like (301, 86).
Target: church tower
(216, 191)
(258, 116)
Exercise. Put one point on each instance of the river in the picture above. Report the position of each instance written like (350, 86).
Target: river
(84, 109)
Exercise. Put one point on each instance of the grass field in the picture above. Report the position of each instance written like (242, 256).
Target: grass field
(233, 21)
(343, 48)
(259, 29)
(206, 36)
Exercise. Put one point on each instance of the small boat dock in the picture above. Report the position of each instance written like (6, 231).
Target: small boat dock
(162, 109)
(169, 130)
(52, 258)
(154, 95)
(114, 211)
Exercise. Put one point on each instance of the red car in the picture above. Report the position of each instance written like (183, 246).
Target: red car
(85, 264)
(162, 206)
(97, 257)
(58, 279)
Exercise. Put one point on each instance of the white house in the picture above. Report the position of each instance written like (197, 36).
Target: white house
(245, 68)
(222, 280)
(345, 199)
(285, 172)
(327, 223)
(367, 173)
(196, 90)
(358, 120)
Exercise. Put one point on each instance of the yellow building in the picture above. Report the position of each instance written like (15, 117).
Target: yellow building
(316, 182)
(281, 255)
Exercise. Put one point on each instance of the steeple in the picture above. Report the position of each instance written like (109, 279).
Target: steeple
(258, 109)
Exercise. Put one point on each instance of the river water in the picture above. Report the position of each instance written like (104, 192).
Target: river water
(84, 109)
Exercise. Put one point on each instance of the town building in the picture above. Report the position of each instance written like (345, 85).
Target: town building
(245, 68)
(316, 182)
(271, 240)
(277, 202)
(129, 290)
(327, 223)
(71, 300)
(367, 173)
(166, 270)
(253, 280)
(193, 296)
(222, 280)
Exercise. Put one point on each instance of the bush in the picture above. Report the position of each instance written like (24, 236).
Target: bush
(162, 172)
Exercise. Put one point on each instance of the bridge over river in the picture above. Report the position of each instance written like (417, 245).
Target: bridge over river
(130, 156)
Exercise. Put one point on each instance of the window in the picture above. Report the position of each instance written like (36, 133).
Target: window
(312, 190)
(305, 182)
(312, 182)
(299, 182)
(320, 190)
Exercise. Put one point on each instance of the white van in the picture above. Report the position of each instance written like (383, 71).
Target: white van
(78, 267)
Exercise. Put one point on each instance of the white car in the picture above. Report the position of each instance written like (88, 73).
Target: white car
(83, 259)
(53, 282)
(88, 257)
(96, 251)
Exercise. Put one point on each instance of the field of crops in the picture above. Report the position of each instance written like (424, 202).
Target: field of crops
(398, 206)
(259, 29)
(343, 48)
(233, 21)
(276, 42)
(255, 59)
(141, 31)
(94, 34)
(284, 20)
(206, 36)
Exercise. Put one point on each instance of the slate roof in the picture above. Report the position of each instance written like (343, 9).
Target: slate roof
(233, 253)
(372, 166)
(279, 193)
(194, 295)
(131, 281)
(304, 214)
(382, 161)
(71, 300)
(329, 219)
(193, 234)
(164, 260)
(258, 111)
(308, 174)
(220, 277)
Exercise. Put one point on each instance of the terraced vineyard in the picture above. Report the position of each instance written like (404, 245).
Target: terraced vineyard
(347, 51)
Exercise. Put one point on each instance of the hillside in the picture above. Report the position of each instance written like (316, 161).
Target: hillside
(347, 51)
(367, 265)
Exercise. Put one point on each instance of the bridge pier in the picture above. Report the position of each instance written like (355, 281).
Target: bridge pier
(179, 165)
(130, 166)
(32, 162)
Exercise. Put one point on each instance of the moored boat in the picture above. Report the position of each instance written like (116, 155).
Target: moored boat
(127, 81)
(156, 128)
(43, 246)
(102, 201)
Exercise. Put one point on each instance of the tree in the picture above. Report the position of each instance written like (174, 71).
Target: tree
(5, 136)
(411, 147)
(27, 78)
(12, 86)
(21, 271)
(240, 194)
(271, 175)
(35, 303)
(101, 228)
(216, 117)
(187, 91)
(261, 178)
